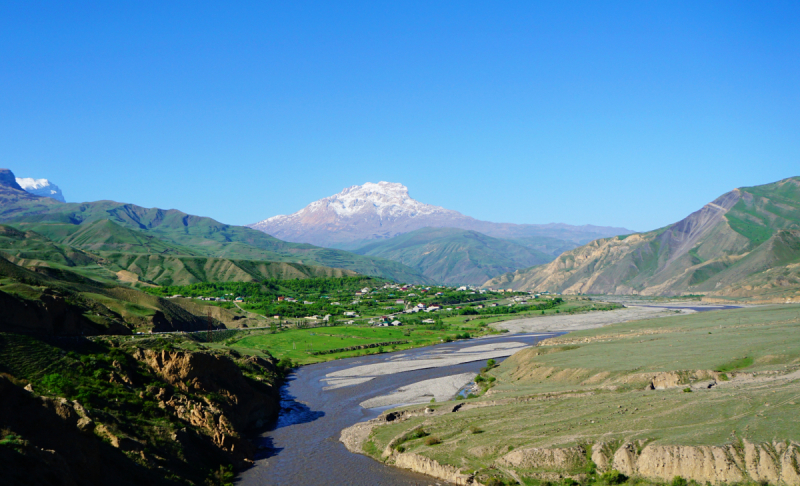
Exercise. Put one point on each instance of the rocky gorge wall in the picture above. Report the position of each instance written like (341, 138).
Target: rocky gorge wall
(201, 406)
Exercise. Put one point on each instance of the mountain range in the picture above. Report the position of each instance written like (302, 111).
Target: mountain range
(378, 211)
(744, 243)
(383, 220)
(170, 247)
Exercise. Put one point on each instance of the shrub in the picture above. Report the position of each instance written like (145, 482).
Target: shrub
(474, 429)
(613, 477)
(431, 441)
(687, 390)
(491, 363)
(679, 481)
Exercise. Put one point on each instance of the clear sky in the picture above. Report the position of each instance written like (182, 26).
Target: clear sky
(630, 114)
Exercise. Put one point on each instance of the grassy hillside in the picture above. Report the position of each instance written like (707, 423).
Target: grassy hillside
(641, 385)
(745, 243)
(46, 300)
(100, 226)
(109, 253)
(455, 256)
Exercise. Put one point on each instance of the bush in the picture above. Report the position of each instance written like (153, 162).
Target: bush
(474, 429)
(687, 390)
(613, 477)
(679, 481)
(431, 441)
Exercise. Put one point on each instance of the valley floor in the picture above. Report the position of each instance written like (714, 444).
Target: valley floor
(708, 397)
(589, 320)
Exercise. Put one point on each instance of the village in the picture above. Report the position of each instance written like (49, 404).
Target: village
(376, 302)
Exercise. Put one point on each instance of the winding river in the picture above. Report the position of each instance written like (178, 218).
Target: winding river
(303, 448)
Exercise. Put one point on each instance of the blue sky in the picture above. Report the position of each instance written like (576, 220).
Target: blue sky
(628, 114)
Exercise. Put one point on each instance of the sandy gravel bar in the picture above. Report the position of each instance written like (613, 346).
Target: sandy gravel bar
(590, 320)
(442, 389)
(435, 358)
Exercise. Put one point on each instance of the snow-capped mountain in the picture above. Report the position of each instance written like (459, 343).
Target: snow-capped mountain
(41, 187)
(382, 210)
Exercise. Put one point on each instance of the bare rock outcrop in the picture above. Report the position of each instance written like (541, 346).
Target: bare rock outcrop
(773, 463)
(243, 403)
(535, 457)
(425, 465)
(701, 463)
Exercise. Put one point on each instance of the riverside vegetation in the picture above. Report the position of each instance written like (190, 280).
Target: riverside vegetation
(708, 397)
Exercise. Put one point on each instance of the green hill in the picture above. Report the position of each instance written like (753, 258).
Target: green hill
(46, 300)
(101, 256)
(455, 256)
(102, 225)
(746, 243)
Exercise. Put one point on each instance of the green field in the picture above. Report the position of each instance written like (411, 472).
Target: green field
(589, 387)
(306, 346)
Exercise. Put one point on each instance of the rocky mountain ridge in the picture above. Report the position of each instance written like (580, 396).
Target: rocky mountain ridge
(745, 242)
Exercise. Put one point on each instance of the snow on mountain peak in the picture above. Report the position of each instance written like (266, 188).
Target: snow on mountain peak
(40, 187)
(385, 199)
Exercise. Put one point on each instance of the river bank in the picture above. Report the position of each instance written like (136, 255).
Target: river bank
(706, 396)
(321, 400)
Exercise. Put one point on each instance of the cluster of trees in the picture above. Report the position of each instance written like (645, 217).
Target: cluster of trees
(269, 289)
(503, 309)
